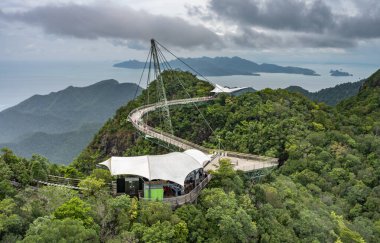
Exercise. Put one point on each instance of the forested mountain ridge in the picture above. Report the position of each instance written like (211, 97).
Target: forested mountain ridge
(333, 95)
(363, 110)
(118, 137)
(60, 124)
(336, 169)
(65, 110)
(373, 81)
(60, 148)
(327, 190)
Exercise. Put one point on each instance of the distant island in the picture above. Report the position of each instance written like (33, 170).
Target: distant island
(338, 73)
(223, 66)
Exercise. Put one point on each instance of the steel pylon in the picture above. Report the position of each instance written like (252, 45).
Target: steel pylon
(160, 89)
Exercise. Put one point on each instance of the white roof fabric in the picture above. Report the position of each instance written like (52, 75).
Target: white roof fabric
(221, 89)
(201, 157)
(173, 166)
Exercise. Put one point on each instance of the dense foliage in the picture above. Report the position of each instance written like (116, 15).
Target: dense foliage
(327, 190)
(118, 137)
(333, 95)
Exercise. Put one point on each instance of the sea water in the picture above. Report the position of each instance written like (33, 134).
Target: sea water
(311, 83)
(20, 80)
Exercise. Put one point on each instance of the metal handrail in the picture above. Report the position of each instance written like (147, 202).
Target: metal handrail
(71, 183)
(144, 128)
(187, 198)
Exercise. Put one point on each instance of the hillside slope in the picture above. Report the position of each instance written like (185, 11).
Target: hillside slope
(61, 148)
(65, 110)
(327, 189)
(60, 124)
(330, 96)
(118, 137)
(241, 123)
(363, 110)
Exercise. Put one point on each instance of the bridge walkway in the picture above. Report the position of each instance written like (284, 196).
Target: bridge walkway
(240, 161)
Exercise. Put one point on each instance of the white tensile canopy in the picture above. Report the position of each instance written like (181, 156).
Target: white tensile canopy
(221, 89)
(173, 166)
(199, 156)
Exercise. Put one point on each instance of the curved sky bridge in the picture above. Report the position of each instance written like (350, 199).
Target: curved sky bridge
(156, 62)
(240, 161)
(254, 164)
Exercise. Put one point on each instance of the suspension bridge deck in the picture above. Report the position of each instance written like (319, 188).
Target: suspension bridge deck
(240, 161)
(70, 183)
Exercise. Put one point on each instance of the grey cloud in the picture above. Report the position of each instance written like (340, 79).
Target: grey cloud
(285, 14)
(198, 11)
(110, 21)
(251, 38)
(118, 42)
(138, 45)
(315, 17)
(360, 27)
(132, 44)
(325, 41)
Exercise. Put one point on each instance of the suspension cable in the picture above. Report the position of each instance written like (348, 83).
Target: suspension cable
(167, 64)
(187, 65)
(180, 82)
(147, 85)
(142, 74)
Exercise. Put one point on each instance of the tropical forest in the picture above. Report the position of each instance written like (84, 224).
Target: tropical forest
(326, 187)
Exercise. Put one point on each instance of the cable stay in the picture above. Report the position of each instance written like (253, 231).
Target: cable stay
(156, 63)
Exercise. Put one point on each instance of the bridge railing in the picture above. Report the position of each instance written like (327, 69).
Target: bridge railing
(253, 167)
(171, 102)
(164, 136)
(251, 157)
(156, 133)
(63, 180)
(187, 198)
(52, 180)
(72, 183)
(179, 142)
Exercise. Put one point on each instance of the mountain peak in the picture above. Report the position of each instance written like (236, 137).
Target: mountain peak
(53, 124)
(295, 88)
(105, 82)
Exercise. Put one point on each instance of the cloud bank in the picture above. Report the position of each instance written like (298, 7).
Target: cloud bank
(245, 23)
(114, 22)
(288, 23)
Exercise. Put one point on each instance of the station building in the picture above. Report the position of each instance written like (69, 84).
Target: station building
(154, 177)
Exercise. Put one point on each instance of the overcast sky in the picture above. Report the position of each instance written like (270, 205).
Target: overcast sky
(310, 31)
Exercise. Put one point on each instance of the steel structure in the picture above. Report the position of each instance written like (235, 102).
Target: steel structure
(160, 89)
